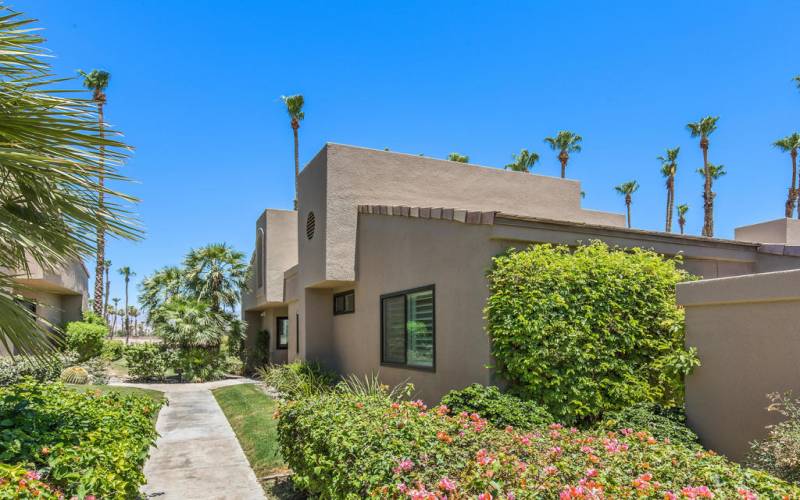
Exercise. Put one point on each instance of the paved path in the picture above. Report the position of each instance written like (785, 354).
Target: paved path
(197, 455)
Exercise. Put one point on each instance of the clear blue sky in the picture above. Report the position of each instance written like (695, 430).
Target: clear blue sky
(195, 88)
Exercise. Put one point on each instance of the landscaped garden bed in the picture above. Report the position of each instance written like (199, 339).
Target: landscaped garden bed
(87, 443)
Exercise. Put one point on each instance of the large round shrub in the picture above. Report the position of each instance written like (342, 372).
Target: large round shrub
(588, 330)
(499, 409)
(87, 338)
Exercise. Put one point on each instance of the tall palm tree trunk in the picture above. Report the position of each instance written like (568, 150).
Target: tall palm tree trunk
(670, 202)
(295, 126)
(101, 234)
(708, 201)
(790, 203)
(563, 157)
(628, 206)
(127, 316)
(681, 223)
(114, 323)
(105, 300)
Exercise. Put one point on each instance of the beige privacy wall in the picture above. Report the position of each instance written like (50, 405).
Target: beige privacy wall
(747, 333)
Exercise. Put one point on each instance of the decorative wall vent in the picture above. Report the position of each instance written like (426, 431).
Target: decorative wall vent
(310, 224)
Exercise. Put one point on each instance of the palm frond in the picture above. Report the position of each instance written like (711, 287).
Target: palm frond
(523, 162)
(294, 106)
(459, 158)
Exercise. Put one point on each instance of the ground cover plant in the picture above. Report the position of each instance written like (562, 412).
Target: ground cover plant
(80, 443)
(588, 330)
(498, 408)
(662, 423)
(372, 446)
(298, 379)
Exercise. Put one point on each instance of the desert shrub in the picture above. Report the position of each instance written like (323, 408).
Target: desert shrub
(662, 423)
(590, 330)
(344, 445)
(779, 452)
(499, 409)
(75, 375)
(234, 365)
(257, 355)
(14, 370)
(147, 361)
(82, 443)
(197, 364)
(86, 337)
(98, 370)
(298, 379)
(113, 350)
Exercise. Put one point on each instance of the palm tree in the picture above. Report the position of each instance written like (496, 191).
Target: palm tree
(458, 158)
(790, 143)
(712, 172)
(565, 142)
(97, 82)
(50, 163)
(294, 106)
(106, 268)
(132, 311)
(115, 312)
(669, 167)
(126, 273)
(159, 287)
(682, 209)
(702, 129)
(216, 273)
(627, 189)
(186, 322)
(523, 162)
(796, 80)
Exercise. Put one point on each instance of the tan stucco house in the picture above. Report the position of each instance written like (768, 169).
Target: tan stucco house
(382, 267)
(57, 295)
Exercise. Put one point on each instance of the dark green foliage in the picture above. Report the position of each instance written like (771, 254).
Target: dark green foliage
(87, 338)
(662, 423)
(347, 445)
(590, 330)
(257, 356)
(200, 364)
(14, 370)
(147, 361)
(81, 442)
(499, 409)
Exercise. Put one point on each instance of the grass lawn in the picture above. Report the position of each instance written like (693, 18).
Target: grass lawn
(249, 412)
(154, 395)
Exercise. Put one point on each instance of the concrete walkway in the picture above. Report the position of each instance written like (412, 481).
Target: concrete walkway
(197, 455)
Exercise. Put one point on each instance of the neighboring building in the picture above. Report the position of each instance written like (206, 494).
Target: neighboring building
(56, 295)
(384, 262)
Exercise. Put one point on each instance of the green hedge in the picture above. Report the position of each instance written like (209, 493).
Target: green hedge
(86, 338)
(147, 361)
(342, 445)
(81, 443)
(499, 409)
(588, 330)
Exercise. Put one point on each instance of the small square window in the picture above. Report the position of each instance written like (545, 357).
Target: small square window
(344, 303)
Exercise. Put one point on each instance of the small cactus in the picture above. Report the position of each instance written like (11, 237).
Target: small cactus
(75, 375)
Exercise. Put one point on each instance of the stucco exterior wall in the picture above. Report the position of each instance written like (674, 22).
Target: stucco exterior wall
(277, 231)
(785, 231)
(342, 177)
(746, 332)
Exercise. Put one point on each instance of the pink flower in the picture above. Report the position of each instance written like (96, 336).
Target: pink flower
(447, 484)
(442, 410)
(556, 450)
(591, 472)
(550, 470)
(522, 467)
(627, 432)
(402, 487)
(670, 496)
(747, 494)
(586, 449)
(404, 465)
(697, 492)
(32, 474)
(483, 457)
(485, 496)
(509, 429)
(556, 426)
(525, 440)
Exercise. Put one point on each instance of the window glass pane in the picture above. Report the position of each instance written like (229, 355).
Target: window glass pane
(283, 332)
(350, 302)
(338, 304)
(394, 342)
(420, 328)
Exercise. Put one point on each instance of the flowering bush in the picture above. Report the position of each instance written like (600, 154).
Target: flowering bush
(779, 452)
(344, 445)
(662, 423)
(20, 483)
(588, 331)
(499, 409)
(82, 443)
